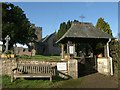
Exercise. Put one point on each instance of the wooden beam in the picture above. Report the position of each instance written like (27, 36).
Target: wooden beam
(62, 50)
(105, 50)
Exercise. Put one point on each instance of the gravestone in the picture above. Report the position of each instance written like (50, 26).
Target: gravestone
(20, 49)
(16, 50)
(7, 38)
(33, 52)
(26, 50)
(73, 68)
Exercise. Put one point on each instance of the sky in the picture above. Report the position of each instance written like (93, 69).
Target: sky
(49, 15)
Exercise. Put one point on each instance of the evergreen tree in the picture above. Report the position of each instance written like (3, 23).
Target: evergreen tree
(104, 26)
(75, 21)
(68, 24)
(64, 27)
(119, 36)
(61, 30)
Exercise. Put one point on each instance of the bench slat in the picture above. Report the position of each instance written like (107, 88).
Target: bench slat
(31, 70)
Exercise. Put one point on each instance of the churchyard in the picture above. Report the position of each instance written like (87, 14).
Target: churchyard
(68, 71)
(90, 81)
(77, 55)
(59, 82)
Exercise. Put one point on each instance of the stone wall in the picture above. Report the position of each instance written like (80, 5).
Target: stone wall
(9, 64)
(73, 68)
(23, 61)
(103, 66)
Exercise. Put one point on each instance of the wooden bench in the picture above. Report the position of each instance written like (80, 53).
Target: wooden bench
(32, 71)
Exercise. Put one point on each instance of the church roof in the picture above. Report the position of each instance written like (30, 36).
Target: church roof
(84, 30)
(47, 37)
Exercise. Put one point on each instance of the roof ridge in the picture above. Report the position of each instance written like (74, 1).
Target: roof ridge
(48, 36)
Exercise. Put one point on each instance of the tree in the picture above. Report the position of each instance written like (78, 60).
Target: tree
(64, 27)
(68, 24)
(61, 30)
(16, 25)
(75, 21)
(104, 26)
(119, 36)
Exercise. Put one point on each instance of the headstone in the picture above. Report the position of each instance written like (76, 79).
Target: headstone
(20, 49)
(16, 51)
(73, 68)
(7, 38)
(26, 50)
(33, 52)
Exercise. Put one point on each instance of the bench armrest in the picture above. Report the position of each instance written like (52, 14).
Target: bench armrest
(52, 70)
(14, 69)
(12, 74)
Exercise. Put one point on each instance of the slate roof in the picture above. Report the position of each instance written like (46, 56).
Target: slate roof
(84, 30)
(47, 37)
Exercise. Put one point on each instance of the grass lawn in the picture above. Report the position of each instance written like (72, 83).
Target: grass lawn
(40, 83)
(42, 58)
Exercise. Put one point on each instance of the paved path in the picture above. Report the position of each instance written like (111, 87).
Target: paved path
(98, 80)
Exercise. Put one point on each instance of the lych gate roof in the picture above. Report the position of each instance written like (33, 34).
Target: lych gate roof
(84, 30)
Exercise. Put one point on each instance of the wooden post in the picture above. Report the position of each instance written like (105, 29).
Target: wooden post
(51, 72)
(12, 76)
(105, 50)
(74, 48)
(67, 48)
(95, 62)
(62, 49)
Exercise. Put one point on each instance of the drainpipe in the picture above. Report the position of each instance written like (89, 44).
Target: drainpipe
(108, 52)
(111, 69)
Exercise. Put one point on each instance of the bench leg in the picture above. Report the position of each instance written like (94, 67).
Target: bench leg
(12, 78)
(50, 78)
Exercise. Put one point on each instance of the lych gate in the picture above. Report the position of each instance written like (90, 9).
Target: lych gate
(80, 42)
